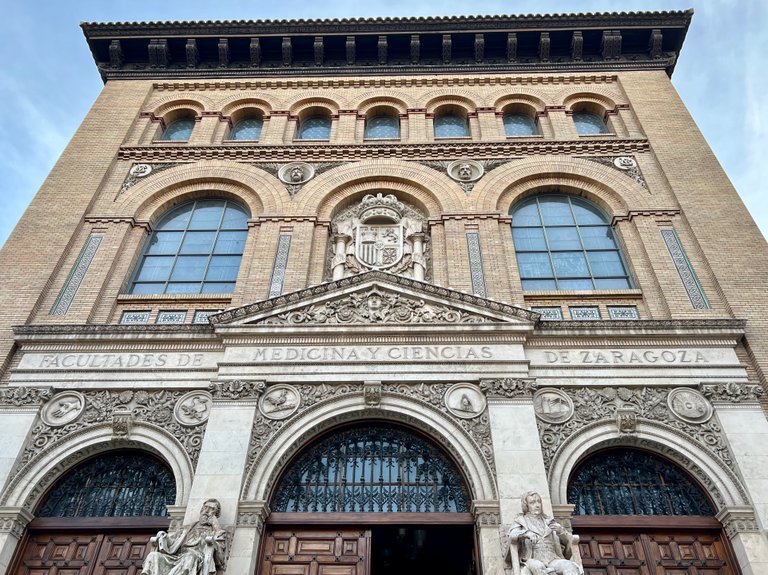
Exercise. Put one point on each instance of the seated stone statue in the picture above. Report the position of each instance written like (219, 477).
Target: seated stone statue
(196, 549)
(544, 545)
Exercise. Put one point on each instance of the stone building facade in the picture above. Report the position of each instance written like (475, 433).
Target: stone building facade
(501, 243)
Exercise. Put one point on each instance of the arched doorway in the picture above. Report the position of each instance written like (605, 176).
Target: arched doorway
(374, 499)
(638, 513)
(97, 518)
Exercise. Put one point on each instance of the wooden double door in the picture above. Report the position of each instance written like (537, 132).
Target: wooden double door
(659, 550)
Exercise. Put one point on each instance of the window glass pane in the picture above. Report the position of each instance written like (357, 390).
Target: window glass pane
(570, 265)
(563, 239)
(519, 125)
(189, 268)
(612, 283)
(145, 288)
(180, 287)
(529, 239)
(556, 211)
(179, 130)
(588, 123)
(177, 219)
(451, 126)
(198, 243)
(606, 264)
(534, 265)
(155, 268)
(575, 284)
(247, 129)
(587, 214)
(539, 285)
(234, 218)
(315, 128)
(207, 215)
(230, 243)
(218, 287)
(598, 238)
(527, 215)
(223, 268)
(382, 127)
(164, 243)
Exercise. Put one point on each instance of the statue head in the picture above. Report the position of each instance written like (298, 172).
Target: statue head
(465, 172)
(297, 174)
(211, 508)
(531, 503)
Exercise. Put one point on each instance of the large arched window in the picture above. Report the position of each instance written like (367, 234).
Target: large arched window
(382, 127)
(451, 124)
(248, 128)
(120, 484)
(588, 123)
(519, 124)
(634, 482)
(179, 130)
(566, 243)
(317, 127)
(372, 469)
(195, 248)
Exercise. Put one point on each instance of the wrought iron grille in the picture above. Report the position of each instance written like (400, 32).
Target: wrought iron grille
(632, 482)
(372, 470)
(125, 484)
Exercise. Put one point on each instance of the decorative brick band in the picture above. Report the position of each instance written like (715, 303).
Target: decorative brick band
(685, 269)
(280, 266)
(75, 278)
(476, 264)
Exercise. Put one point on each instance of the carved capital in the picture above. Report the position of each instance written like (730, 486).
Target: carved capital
(237, 389)
(14, 520)
(252, 514)
(508, 387)
(486, 513)
(738, 519)
(732, 392)
(24, 396)
(563, 514)
(176, 514)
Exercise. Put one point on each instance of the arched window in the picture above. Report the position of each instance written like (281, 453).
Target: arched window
(247, 129)
(382, 127)
(451, 125)
(375, 469)
(634, 482)
(195, 248)
(179, 130)
(519, 124)
(120, 484)
(317, 127)
(566, 243)
(588, 123)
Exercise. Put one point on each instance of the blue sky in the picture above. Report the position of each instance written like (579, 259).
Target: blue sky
(48, 80)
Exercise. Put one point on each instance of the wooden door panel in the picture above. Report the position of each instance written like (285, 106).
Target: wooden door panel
(316, 552)
(122, 554)
(51, 554)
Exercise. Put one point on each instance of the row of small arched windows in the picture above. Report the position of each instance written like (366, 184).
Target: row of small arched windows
(450, 124)
(562, 242)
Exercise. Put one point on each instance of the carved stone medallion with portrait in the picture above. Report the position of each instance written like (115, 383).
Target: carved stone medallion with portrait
(689, 405)
(63, 408)
(279, 401)
(296, 173)
(465, 400)
(193, 408)
(552, 405)
(465, 170)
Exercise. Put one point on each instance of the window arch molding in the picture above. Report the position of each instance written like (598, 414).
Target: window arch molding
(451, 121)
(528, 124)
(396, 102)
(382, 123)
(314, 123)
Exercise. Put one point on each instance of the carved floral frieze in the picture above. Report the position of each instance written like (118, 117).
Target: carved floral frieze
(24, 396)
(732, 392)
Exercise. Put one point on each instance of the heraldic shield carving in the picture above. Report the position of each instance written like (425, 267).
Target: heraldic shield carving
(379, 233)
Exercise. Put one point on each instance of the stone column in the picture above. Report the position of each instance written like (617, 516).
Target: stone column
(339, 255)
(13, 521)
(419, 266)
(488, 523)
(223, 456)
(749, 544)
(244, 553)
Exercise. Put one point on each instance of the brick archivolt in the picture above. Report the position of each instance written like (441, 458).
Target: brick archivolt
(241, 101)
(373, 100)
(257, 189)
(505, 98)
(317, 101)
(602, 100)
(434, 192)
(440, 98)
(197, 102)
(507, 184)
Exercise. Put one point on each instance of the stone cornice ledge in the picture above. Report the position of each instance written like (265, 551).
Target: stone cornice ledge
(111, 331)
(642, 327)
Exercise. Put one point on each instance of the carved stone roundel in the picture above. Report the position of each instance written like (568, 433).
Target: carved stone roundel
(193, 408)
(296, 173)
(465, 400)
(279, 401)
(689, 405)
(465, 170)
(141, 170)
(63, 408)
(625, 162)
(552, 405)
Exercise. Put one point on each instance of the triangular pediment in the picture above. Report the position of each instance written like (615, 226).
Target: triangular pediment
(375, 298)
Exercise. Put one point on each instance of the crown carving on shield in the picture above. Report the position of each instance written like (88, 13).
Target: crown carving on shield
(381, 205)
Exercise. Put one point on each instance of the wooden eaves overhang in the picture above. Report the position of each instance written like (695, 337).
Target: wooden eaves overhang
(366, 46)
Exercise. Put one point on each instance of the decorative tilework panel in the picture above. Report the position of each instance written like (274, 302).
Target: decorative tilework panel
(549, 313)
(685, 269)
(202, 315)
(171, 316)
(585, 313)
(134, 317)
(623, 312)
(76, 276)
(280, 266)
(476, 264)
